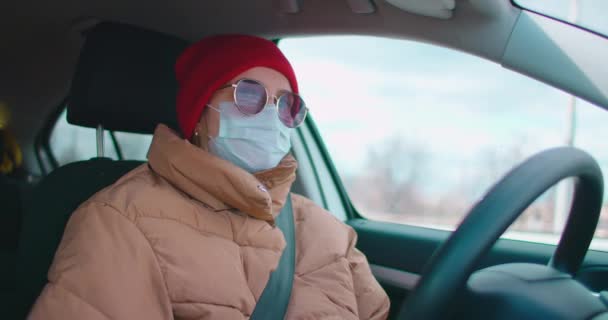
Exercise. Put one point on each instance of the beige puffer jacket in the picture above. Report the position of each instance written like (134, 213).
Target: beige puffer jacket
(190, 236)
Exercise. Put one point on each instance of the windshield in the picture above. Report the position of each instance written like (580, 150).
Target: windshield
(418, 132)
(590, 14)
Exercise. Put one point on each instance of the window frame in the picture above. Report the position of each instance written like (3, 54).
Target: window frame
(524, 8)
(327, 182)
(42, 148)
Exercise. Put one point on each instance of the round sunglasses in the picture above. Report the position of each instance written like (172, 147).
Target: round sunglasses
(251, 96)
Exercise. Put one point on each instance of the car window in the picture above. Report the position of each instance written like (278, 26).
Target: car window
(418, 132)
(71, 143)
(590, 14)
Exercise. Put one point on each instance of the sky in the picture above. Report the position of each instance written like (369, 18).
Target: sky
(363, 91)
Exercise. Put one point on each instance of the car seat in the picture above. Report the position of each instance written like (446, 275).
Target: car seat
(123, 81)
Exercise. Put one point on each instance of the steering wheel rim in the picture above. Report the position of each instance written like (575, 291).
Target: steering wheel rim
(453, 263)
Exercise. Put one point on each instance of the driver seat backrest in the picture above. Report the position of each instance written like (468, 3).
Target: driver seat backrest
(56, 197)
(124, 82)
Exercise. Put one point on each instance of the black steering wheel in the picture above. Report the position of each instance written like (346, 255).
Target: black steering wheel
(517, 291)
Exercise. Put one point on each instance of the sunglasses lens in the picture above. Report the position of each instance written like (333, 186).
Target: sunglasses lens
(250, 96)
(292, 110)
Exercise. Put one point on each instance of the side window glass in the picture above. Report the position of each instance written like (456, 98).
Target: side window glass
(70, 143)
(418, 132)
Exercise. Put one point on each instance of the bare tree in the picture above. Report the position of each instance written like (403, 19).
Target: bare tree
(392, 179)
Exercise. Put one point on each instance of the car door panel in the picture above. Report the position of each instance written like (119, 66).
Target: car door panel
(397, 255)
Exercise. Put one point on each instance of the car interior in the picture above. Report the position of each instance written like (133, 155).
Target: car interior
(109, 65)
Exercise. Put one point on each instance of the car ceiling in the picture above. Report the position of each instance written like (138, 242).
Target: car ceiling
(41, 39)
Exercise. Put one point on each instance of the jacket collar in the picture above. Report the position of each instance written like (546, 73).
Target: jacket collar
(218, 183)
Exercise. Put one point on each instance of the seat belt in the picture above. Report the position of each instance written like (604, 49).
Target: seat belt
(274, 300)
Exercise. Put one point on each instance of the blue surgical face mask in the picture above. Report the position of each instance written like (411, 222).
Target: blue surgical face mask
(253, 143)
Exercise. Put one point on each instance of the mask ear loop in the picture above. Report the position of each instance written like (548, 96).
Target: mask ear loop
(210, 106)
(209, 138)
(199, 139)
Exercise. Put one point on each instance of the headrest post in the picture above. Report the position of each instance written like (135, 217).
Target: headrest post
(102, 90)
(99, 141)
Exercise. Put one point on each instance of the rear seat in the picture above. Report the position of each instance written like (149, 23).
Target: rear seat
(11, 202)
(14, 193)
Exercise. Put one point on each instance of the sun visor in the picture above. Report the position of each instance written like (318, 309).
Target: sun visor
(442, 9)
(124, 79)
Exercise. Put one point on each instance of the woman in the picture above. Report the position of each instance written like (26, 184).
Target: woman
(191, 234)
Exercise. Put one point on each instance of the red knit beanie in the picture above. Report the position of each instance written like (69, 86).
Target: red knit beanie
(213, 61)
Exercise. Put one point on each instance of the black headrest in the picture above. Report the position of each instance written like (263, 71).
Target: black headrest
(124, 79)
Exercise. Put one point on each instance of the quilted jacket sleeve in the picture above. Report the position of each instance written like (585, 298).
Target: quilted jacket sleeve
(104, 269)
(372, 301)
